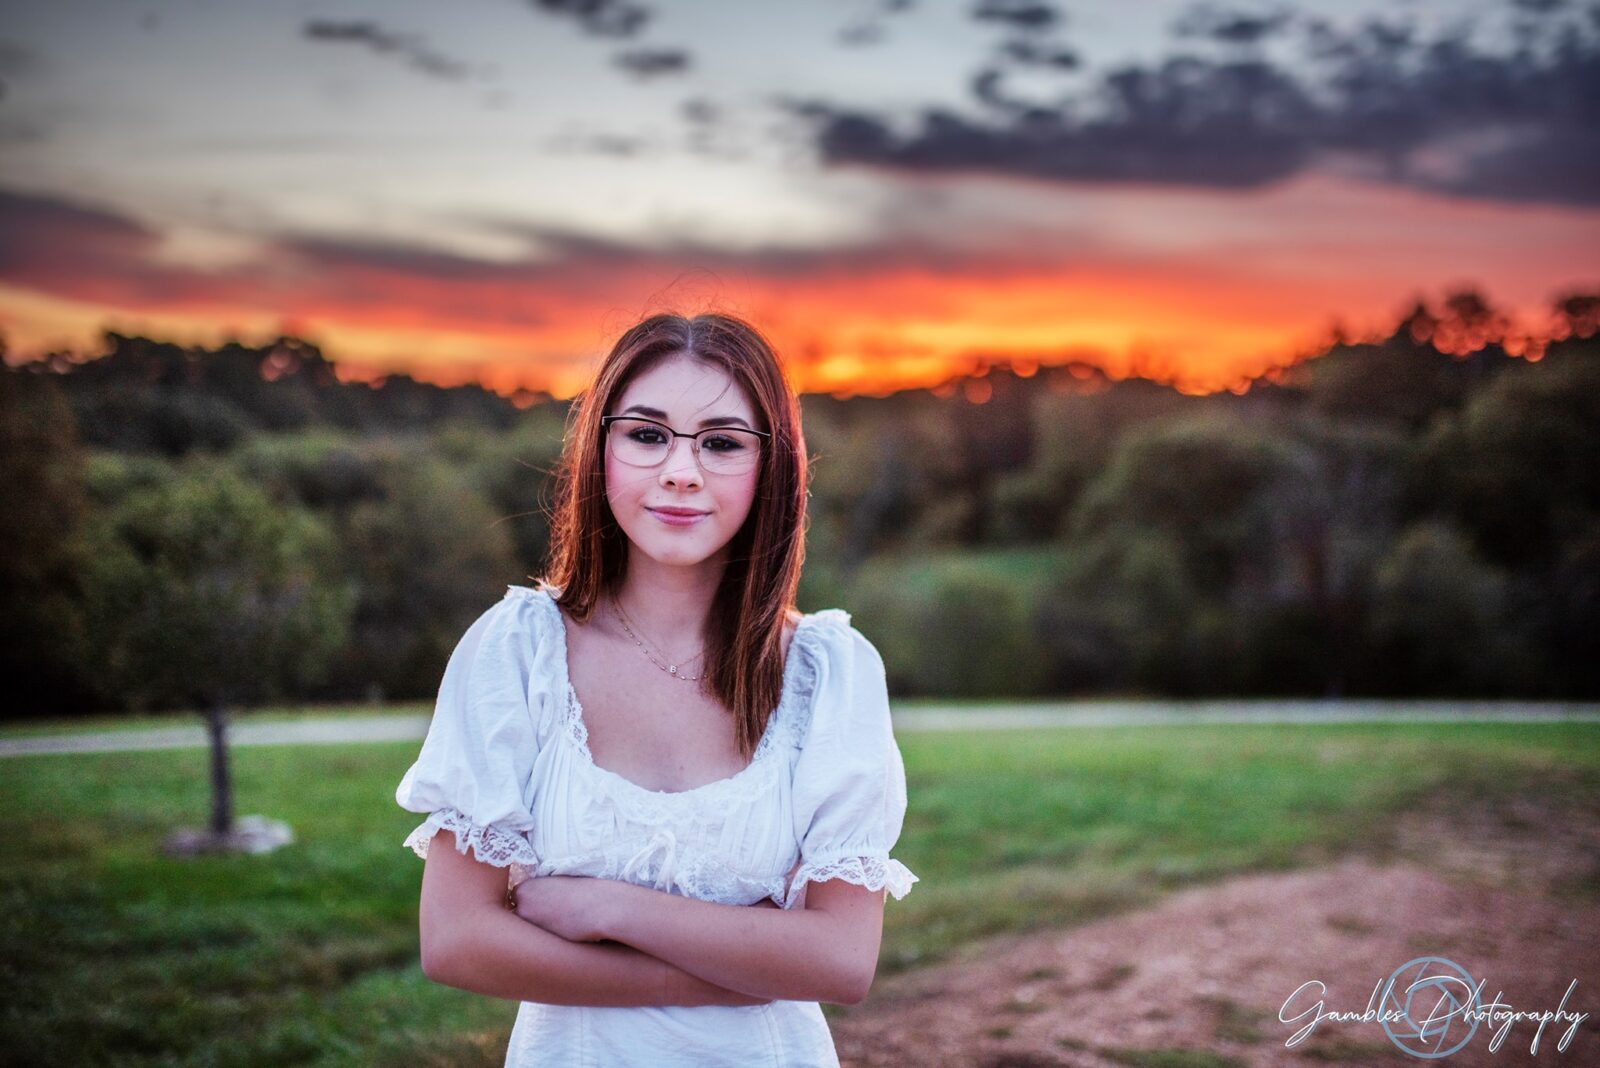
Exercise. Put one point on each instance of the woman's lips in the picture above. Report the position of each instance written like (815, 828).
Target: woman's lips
(677, 520)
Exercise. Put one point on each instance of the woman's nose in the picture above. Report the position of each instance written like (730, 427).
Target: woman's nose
(681, 465)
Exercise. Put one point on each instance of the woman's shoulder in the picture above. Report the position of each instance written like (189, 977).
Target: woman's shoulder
(846, 731)
(528, 606)
(824, 618)
(831, 631)
(537, 592)
(518, 620)
(829, 637)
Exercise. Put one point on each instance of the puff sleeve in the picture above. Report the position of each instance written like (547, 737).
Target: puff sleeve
(849, 779)
(474, 774)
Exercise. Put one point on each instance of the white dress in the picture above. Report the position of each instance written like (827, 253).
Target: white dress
(506, 766)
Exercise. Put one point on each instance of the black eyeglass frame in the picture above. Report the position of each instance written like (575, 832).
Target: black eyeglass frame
(607, 420)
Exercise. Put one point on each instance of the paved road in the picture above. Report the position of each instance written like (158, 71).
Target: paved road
(924, 718)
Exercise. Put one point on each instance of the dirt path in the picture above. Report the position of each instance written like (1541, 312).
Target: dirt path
(1508, 893)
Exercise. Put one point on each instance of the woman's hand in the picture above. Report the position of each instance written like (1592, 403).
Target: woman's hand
(575, 906)
(572, 906)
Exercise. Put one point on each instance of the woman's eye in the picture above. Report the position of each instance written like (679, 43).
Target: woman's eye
(647, 436)
(724, 443)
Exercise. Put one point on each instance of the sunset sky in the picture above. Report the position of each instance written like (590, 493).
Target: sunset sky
(492, 190)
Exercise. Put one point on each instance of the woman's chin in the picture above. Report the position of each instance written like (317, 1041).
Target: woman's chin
(679, 555)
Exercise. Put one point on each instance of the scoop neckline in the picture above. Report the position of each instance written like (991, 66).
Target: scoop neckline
(570, 693)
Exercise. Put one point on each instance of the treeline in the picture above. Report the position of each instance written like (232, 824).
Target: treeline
(149, 396)
(1411, 516)
(1390, 520)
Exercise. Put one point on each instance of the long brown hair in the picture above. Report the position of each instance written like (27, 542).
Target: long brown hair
(588, 550)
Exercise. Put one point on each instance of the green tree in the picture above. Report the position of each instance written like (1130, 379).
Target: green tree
(42, 637)
(1117, 616)
(1430, 364)
(206, 593)
(1573, 634)
(1229, 555)
(326, 470)
(1203, 482)
(514, 471)
(420, 540)
(1334, 513)
(1439, 615)
(950, 626)
(883, 478)
(1519, 467)
(1074, 435)
(424, 555)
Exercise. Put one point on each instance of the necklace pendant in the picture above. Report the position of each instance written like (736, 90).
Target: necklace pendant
(673, 669)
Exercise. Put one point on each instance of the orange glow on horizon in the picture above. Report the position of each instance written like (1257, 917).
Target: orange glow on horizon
(845, 333)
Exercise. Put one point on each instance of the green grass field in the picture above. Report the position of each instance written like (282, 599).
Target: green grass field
(112, 954)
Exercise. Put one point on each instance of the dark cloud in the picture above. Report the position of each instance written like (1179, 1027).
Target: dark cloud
(621, 19)
(1375, 42)
(712, 132)
(1230, 26)
(700, 111)
(652, 62)
(861, 34)
(387, 42)
(86, 253)
(357, 258)
(1019, 14)
(367, 33)
(870, 30)
(576, 256)
(1035, 54)
(1440, 115)
(17, 131)
(38, 229)
(602, 18)
(92, 254)
(97, 255)
(17, 58)
(987, 86)
(1177, 118)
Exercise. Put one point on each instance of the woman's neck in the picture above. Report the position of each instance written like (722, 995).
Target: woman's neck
(669, 604)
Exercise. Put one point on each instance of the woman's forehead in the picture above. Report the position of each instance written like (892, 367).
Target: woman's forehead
(686, 389)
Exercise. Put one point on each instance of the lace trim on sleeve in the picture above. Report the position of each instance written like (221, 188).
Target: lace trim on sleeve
(493, 845)
(875, 871)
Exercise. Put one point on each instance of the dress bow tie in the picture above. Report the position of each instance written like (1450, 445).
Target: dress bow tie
(663, 840)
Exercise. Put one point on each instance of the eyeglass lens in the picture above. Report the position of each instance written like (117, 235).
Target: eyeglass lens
(723, 450)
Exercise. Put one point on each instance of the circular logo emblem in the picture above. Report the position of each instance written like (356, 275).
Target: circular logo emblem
(1430, 997)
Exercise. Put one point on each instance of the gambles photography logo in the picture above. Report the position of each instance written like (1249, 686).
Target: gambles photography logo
(1430, 1007)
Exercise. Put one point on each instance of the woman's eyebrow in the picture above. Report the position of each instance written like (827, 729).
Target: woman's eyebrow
(657, 413)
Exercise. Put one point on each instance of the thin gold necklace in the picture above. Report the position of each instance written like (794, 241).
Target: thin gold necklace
(670, 669)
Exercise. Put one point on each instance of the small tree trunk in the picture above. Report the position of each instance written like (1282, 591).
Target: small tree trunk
(221, 790)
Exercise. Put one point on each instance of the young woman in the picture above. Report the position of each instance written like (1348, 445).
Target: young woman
(667, 798)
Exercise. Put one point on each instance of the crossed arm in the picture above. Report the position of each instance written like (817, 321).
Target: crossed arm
(605, 943)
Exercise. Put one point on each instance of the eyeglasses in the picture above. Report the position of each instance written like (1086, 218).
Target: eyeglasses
(721, 450)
